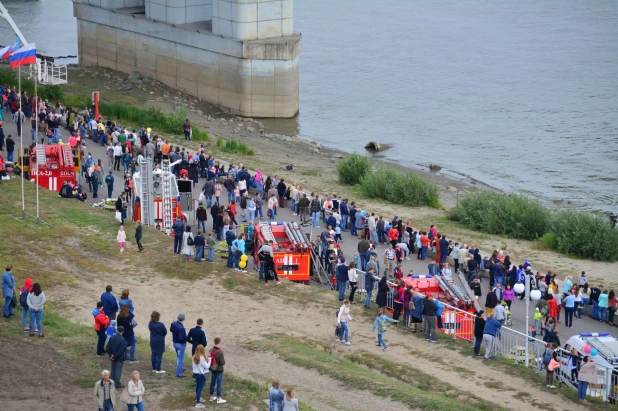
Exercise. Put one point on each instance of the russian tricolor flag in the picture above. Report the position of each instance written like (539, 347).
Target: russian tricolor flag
(23, 56)
(8, 50)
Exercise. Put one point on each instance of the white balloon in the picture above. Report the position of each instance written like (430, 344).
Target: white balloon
(519, 288)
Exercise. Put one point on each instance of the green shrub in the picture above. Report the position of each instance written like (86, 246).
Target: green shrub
(584, 234)
(496, 213)
(399, 187)
(219, 142)
(352, 169)
(236, 147)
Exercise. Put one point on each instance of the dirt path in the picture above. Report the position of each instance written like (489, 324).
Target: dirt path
(240, 318)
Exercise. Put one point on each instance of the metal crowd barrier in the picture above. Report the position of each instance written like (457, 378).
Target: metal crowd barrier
(510, 344)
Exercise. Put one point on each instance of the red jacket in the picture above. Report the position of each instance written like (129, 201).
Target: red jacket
(393, 234)
(100, 320)
(553, 308)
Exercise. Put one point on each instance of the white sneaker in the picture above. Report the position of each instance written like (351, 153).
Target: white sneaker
(221, 401)
(200, 406)
(552, 386)
(348, 343)
(160, 372)
(293, 213)
(213, 399)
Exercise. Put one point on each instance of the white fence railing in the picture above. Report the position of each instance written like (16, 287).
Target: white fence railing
(511, 344)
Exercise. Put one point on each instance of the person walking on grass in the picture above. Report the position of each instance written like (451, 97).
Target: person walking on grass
(179, 338)
(121, 237)
(380, 324)
(136, 391)
(138, 235)
(217, 363)
(342, 319)
(157, 341)
(117, 350)
(36, 300)
(200, 365)
(105, 392)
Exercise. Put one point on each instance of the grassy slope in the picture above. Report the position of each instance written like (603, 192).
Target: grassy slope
(80, 241)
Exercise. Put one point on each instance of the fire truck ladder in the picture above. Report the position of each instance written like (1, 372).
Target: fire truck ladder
(468, 290)
(166, 190)
(319, 268)
(267, 232)
(67, 156)
(145, 194)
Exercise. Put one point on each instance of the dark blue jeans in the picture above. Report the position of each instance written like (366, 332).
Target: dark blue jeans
(155, 359)
(477, 345)
(8, 310)
(199, 254)
(216, 379)
(107, 406)
(201, 382)
(177, 243)
(230, 257)
(341, 287)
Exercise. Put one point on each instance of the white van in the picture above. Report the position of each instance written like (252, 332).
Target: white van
(606, 359)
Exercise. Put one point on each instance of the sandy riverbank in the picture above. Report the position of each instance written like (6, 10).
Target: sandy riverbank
(314, 167)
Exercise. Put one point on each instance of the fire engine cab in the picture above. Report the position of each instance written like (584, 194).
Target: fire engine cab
(291, 249)
(51, 166)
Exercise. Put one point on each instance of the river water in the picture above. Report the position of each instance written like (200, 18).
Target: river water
(520, 95)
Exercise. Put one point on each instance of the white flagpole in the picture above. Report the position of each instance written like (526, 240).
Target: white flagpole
(21, 147)
(36, 133)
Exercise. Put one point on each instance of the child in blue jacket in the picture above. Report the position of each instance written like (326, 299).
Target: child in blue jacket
(380, 324)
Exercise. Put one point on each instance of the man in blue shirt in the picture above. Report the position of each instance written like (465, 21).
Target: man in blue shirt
(179, 338)
(492, 328)
(569, 308)
(179, 228)
(197, 336)
(8, 290)
(110, 305)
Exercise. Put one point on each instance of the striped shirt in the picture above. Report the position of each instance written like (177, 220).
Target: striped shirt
(389, 254)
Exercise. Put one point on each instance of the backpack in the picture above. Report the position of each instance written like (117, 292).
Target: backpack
(546, 358)
(23, 299)
(213, 359)
(190, 241)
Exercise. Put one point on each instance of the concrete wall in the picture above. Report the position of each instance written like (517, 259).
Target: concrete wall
(116, 4)
(179, 11)
(257, 78)
(253, 19)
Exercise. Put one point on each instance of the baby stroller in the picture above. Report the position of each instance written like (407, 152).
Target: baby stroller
(508, 320)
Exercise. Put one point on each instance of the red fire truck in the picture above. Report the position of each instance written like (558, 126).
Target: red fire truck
(291, 249)
(51, 166)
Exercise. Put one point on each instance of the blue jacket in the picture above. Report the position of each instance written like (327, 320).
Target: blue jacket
(196, 337)
(239, 244)
(117, 347)
(124, 301)
(379, 320)
(179, 335)
(440, 308)
(342, 273)
(418, 307)
(275, 399)
(368, 282)
(8, 284)
(497, 270)
(178, 227)
(492, 326)
(110, 306)
(157, 337)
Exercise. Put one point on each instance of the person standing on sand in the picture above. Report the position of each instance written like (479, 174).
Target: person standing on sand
(200, 368)
(197, 336)
(110, 305)
(157, 341)
(117, 350)
(289, 402)
(216, 368)
(275, 397)
(121, 237)
(105, 392)
(179, 338)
